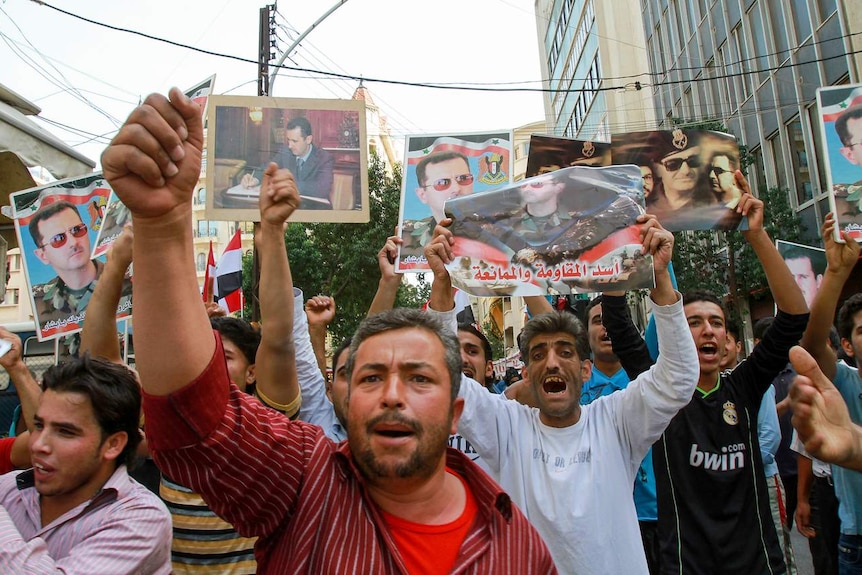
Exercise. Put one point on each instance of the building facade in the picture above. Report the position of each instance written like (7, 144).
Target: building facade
(756, 65)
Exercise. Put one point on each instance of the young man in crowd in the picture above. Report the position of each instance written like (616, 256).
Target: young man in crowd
(713, 504)
(77, 511)
(303, 496)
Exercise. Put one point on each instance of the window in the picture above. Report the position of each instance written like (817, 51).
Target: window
(801, 19)
(777, 150)
(760, 64)
(819, 150)
(200, 197)
(14, 262)
(11, 297)
(740, 65)
(206, 229)
(201, 262)
(245, 227)
(799, 157)
(780, 37)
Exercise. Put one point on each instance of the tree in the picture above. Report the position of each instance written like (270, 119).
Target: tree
(495, 338)
(340, 260)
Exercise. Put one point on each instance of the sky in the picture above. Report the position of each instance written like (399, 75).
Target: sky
(89, 78)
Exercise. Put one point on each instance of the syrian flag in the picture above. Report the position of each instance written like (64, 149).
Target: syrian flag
(831, 112)
(228, 276)
(209, 277)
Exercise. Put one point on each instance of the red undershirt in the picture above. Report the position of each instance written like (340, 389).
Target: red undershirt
(432, 549)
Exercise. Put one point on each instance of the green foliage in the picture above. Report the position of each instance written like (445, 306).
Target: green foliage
(495, 338)
(340, 260)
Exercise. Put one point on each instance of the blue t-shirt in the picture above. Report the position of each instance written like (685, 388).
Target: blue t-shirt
(600, 385)
(848, 484)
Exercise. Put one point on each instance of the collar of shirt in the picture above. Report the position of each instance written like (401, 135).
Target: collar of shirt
(117, 486)
(307, 154)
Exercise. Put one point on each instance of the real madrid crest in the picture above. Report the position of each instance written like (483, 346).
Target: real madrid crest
(729, 414)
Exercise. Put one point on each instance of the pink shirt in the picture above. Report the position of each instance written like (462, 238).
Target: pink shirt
(123, 529)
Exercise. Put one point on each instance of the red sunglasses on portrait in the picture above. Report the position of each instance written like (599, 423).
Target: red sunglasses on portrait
(59, 240)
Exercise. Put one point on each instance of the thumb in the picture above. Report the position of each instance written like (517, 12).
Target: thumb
(805, 365)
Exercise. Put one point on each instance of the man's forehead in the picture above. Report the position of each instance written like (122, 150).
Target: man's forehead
(64, 214)
(596, 310)
(703, 308)
(800, 262)
(556, 338)
(451, 163)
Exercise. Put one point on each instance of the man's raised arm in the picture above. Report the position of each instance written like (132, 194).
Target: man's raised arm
(99, 336)
(275, 364)
(840, 260)
(153, 164)
(788, 296)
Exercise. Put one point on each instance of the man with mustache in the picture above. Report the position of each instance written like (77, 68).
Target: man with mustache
(392, 498)
(62, 242)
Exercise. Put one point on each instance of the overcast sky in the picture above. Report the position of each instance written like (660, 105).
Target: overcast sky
(89, 78)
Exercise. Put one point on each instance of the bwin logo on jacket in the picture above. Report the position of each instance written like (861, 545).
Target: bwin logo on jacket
(731, 457)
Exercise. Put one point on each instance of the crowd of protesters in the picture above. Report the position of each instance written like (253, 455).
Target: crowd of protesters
(599, 456)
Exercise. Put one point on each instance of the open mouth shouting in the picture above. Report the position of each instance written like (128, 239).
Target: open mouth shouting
(553, 384)
(709, 352)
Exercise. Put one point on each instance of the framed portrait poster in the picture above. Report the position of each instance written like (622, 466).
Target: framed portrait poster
(322, 142)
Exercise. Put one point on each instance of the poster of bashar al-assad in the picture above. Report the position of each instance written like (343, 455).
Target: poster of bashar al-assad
(688, 176)
(322, 142)
(439, 167)
(841, 126)
(570, 231)
(56, 225)
(807, 264)
(549, 153)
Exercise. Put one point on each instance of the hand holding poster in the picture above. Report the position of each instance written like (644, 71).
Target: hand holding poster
(570, 231)
(55, 225)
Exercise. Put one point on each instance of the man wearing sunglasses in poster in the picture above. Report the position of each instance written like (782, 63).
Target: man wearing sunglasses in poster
(684, 196)
(441, 176)
(62, 242)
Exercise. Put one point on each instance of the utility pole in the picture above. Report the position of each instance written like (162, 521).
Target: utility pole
(265, 53)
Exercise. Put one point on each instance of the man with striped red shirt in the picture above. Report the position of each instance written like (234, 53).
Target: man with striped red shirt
(393, 498)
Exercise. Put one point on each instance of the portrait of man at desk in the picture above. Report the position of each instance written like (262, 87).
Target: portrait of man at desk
(311, 165)
(322, 142)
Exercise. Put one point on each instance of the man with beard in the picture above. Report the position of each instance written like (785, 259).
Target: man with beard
(388, 500)
(571, 467)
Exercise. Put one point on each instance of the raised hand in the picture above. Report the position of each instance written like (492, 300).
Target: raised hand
(749, 206)
(279, 196)
(320, 310)
(656, 241)
(121, 249)
(820, 413)
(840, 257)
(154, 161)
(386, 258)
